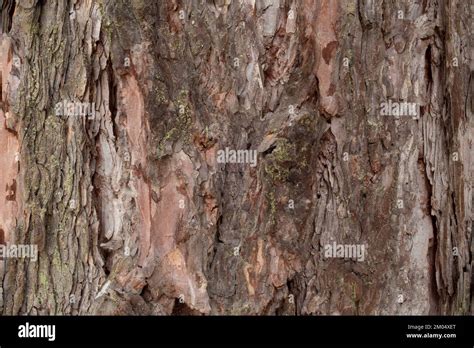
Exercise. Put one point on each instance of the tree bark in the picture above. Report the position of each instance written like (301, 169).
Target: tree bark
(133, 213)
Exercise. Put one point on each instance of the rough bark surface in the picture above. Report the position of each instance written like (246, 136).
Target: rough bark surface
(133, 214)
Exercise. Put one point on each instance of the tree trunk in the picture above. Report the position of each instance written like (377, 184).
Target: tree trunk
(132, 209)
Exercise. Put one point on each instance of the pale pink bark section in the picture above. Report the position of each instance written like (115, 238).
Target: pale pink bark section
(326, 44)
(9, 147)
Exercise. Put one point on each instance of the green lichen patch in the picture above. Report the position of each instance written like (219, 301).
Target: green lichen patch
(280, 160)
(180, 128)
(273, 205)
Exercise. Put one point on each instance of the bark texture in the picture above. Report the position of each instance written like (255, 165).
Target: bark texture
(133, 214)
